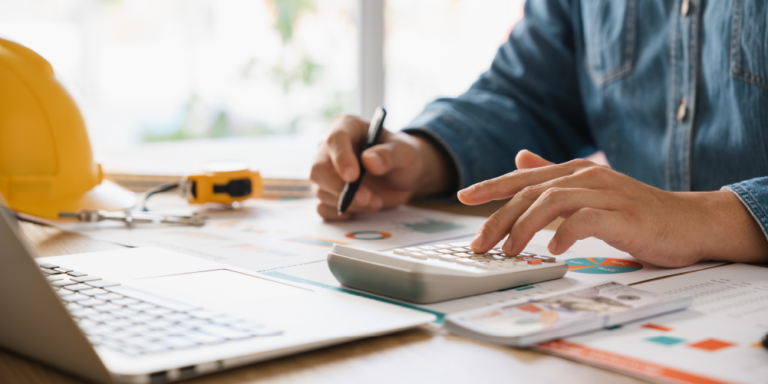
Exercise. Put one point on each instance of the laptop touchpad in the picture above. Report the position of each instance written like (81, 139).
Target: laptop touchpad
(218, 288)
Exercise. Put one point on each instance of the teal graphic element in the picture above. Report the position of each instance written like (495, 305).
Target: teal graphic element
(666, 340)
(295, 279)
(602, 265)
(432, 226)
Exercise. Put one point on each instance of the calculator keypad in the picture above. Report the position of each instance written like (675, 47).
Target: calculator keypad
(460, 253)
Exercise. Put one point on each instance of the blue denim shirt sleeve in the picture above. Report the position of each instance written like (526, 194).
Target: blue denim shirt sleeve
(753, 194)
(528, 99)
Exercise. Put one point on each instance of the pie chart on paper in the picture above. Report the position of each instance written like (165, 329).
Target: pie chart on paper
(602, 265)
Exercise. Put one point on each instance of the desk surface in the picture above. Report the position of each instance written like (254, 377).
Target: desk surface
(422, 355)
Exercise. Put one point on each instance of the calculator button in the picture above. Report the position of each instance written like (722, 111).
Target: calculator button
(432, 254)
(418, 255)
(534, 262)
(509, 265)
(466, 261)
(462, 254)
(528, 254)
(445, 251)
(427, 248)
(448, 258)
(401, 252)
(486, 265)
(460, 249)
(495, 252)
(440, 246)
(461, 244)
(48, 265)
(412, 249)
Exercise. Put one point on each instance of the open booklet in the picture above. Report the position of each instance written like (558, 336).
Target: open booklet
(524, 323)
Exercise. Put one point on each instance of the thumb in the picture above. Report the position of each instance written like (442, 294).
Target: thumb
(526, 159)
(383, 158)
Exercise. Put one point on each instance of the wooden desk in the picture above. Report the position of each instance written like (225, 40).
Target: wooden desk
(423, 355)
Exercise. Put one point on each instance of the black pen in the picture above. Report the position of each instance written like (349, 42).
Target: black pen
(350, 189)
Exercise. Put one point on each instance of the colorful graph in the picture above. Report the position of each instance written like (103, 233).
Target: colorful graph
(317, 241)
(432, 226)
(368, 235)
(602, 265)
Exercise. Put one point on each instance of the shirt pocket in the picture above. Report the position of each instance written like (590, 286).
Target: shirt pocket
(749, 41)
(610, 30)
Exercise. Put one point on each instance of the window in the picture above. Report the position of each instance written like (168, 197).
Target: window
(156, 70)
(150, 70)
(438, 48)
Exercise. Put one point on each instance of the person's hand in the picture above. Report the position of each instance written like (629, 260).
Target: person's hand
(668, 229)
(400, 167)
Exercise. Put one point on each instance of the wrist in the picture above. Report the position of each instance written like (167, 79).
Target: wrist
(731, 234)
(438, 173)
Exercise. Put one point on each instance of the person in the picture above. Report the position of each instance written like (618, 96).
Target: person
(674, 92)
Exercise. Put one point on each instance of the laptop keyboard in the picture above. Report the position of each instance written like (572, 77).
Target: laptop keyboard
(136, 322)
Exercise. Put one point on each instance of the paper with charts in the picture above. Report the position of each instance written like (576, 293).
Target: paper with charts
(287, 239)
(591, 261)
(268, 234)
(717, 340)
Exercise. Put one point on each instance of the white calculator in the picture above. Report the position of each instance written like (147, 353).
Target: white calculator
(438, 272)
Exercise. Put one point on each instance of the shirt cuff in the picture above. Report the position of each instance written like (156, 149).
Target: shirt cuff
(754, 195)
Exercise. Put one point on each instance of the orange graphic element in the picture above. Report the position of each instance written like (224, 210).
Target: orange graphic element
(575, 267)
(759, 344)
(592, 259)
(656, 327)
(629, 364)
(711, 345)
(621, 263)
(529, 308)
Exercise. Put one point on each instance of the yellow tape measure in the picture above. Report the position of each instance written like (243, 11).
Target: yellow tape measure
(222, 182)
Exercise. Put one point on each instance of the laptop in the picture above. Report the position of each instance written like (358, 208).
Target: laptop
(146, 315)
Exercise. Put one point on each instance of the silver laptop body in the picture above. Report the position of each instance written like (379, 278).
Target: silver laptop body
(153, 316)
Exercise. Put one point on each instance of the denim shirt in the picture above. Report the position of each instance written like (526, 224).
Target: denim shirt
(675, 92)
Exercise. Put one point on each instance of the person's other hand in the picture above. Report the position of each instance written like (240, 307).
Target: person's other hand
(399, 167)
(668, 229)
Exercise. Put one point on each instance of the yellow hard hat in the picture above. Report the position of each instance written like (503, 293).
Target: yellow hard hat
(46, 163)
